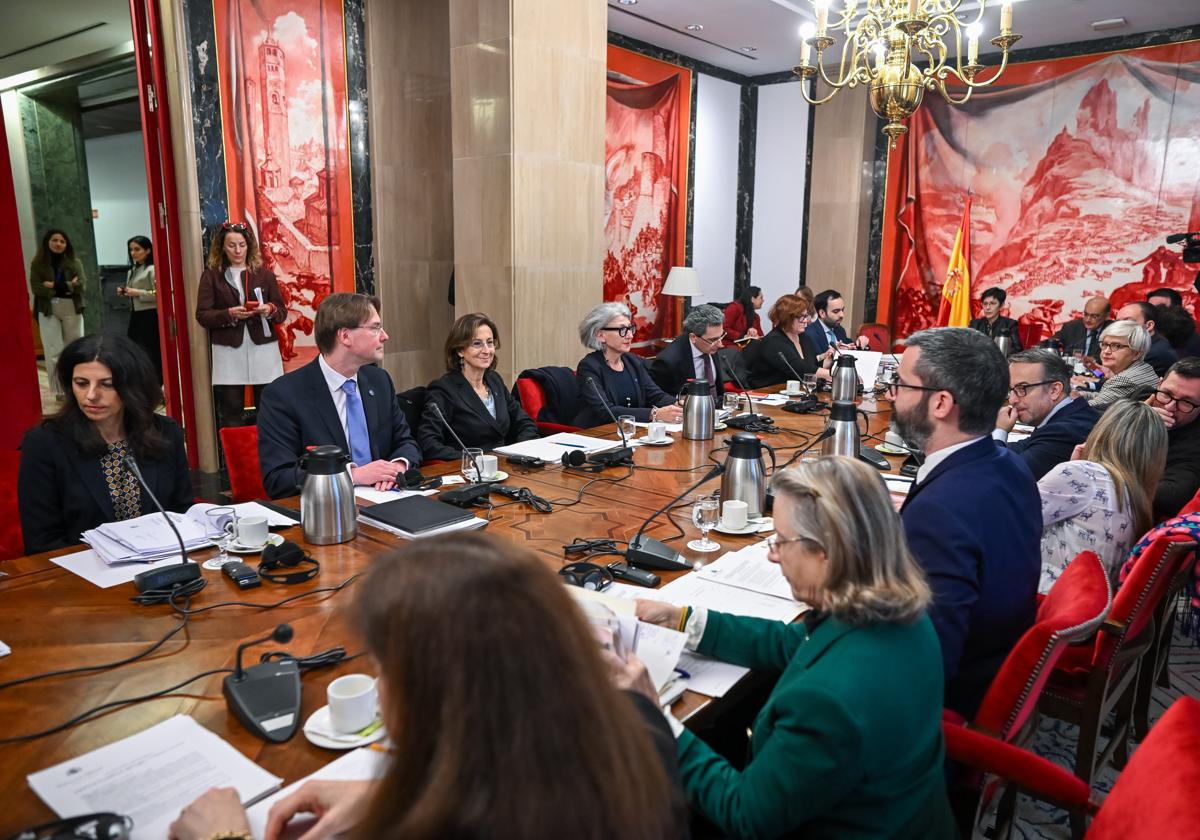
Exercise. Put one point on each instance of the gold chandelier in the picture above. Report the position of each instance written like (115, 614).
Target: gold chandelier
(883, 45)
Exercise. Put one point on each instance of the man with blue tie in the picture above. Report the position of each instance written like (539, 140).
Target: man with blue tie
(973, 518)
(341, 398)
(826, 330)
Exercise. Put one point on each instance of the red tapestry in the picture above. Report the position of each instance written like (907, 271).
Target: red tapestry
(645, 164)
(1079, 170)
(283, 106)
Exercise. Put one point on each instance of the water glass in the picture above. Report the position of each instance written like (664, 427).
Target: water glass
(627, 426)
(470, 458)
(733, 402)
(706, 511)
(221, 529)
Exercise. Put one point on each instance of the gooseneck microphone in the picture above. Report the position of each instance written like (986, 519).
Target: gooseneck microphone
(265, 698)
(468, 494)
(799, 378)
(745, 420)
(613, 457)
(164, 578)
(825, 434)
(649, 553)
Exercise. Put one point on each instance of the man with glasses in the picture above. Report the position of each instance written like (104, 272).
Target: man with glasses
(1039, 395)
(826, 330)
(973, 518)
(1160, 356)
(1177, 402)
(1083, 334)
(693, 355)
(341, 398)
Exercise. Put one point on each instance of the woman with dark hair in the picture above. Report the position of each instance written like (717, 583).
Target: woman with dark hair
(471, 396)
(741, 316)
(73, 473)
(505, 724)
(786, 352)
(992, 323)
(238, 302)
(140, 288)
(56, 280)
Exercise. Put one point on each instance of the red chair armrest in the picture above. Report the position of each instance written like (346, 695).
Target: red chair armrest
(548, 428)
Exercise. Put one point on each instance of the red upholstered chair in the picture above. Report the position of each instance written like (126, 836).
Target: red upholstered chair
(879, 336)
(12, 541)
(1030, 334)
(241, 459)
(1153, 797)
(533, 400)
(1093, 681)
(1071, 612)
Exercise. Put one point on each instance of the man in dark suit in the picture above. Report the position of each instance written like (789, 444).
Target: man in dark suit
(1083, 334)
(341, 398)
(973, 518)
(1039, 395)
(693, 355)
(1177, 402)
(1160, 356)
(826, 329)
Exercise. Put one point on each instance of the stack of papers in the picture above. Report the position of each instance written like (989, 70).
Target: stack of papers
(552, 448)
(361, 765)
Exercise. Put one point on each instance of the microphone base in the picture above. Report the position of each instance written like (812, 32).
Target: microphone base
(166, 577)
(613, 457)
(467, 495)
(875, 459)
(266, 700)
(649, 553)
(743, 421)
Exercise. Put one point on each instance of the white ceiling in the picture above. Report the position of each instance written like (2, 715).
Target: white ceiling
(27, 23)
(771, 25)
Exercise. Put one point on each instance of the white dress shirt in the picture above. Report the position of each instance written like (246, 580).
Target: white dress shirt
(931, 461)
(1002, 434)
(334, 381)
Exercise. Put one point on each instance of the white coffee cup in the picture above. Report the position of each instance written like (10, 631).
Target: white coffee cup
(353, 703)
(657, 431)
(891, 438)
(251, 531)
(489, 466)
(734, 513)
(793, 385)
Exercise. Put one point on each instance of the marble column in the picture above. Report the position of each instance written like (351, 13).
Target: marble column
(527, 98)
(58, 181)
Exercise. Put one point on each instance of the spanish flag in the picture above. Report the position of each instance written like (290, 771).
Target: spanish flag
(955, 310)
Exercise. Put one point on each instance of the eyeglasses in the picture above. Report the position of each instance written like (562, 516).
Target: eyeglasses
(236, 227)
(624, 331)
(1112, 348)
(896, 384)
(1022, 388)
(480, 344)
(807, 316)
(775, 542)
(105, 826)
(712, 341)
(375, 328)
(1183, 406)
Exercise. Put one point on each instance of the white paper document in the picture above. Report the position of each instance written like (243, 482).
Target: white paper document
(369, 494)
(659, 648)
(673, 428)
(866, 364)
(355, 766)
(151, 776)
(88, 565)
(551, 448)
(693, 590)
(710, 676)
(749, 569)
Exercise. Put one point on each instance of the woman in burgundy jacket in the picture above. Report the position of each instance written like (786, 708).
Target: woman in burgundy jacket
(238, 303)
(741, 316)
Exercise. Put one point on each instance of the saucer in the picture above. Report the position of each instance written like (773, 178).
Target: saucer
(238, 548)
(888, 449)
(318, 731)
(719, 427)
(748, 528)
(792, 393)
(645, 441)
(499, 475)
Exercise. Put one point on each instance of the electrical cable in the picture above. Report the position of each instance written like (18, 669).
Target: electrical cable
(186, 610)
(587, 484)
(153, 597)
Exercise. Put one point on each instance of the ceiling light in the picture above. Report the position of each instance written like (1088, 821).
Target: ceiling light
(1110, 23)
(694, 27)
(808, 29)
(627, 2)
(749, 49)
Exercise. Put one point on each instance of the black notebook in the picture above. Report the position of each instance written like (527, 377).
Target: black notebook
(416, 514)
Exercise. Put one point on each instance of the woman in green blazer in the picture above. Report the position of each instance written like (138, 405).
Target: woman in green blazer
(56, 281)
(849, 742)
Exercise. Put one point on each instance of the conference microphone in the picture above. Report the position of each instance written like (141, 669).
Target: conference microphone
(795, 373)
(468, 494)
(649, 553)
(746, 420)
(164, 578)
(613, 457)
(825, 434)
(1180, 237)
(265, 698)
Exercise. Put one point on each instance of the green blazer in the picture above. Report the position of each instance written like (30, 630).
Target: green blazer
(39, 274)
(849, 743)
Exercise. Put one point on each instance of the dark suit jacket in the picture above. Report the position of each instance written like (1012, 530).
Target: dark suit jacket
(765, 366)
(297, 411)
(1181, 478)
(830, 757)
(674, 366)
(1052, 443)
(1073, 334)
(975, 526)
(1160, 356)
(816, 334)
(1001, 326)
(592, 413)
(61, 492)
(215, 297)
(469, 417)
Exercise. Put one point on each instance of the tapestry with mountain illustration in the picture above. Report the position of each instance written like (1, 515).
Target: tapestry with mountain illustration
(1078, 168)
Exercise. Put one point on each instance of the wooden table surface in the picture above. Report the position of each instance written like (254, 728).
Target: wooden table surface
(53, 619)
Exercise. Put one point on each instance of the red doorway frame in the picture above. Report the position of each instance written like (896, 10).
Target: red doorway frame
(173, 310)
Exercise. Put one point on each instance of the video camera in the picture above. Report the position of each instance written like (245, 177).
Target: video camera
(1191, 245)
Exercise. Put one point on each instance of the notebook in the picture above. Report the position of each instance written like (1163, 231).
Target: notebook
(415, 514)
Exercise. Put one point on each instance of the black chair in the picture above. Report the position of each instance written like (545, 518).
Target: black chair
(412, 403)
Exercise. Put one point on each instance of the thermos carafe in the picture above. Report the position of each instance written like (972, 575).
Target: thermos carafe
(327, 511)
(1004, 342)
(699, 412)
(843, 418)
(745, 476)
(845, 379)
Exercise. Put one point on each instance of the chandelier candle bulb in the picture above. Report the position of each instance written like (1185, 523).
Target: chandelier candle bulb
(1006, 18)
(822, 8)
(805, 49)
(914, 8)
(973, 49)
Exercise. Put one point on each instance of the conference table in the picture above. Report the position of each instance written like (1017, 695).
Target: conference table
(53, 619)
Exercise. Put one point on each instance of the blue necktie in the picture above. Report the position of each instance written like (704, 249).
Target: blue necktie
(356, 425)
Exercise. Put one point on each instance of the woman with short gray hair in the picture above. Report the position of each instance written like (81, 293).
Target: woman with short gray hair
(613, 379)
(1124, 372)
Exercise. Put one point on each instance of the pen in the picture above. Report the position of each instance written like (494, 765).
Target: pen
(571, 445)
(683, 673)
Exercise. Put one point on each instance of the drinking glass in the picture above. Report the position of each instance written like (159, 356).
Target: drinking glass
(733, 403)
(470, 458)
(627, 426)
(810, 382)
(222, 527)
(706, 510)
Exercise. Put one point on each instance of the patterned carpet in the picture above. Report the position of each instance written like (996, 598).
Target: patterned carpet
(1056, 741)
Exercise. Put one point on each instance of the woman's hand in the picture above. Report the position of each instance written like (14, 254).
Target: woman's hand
(1077, 454)
(240, 313)
(823, 373)
(659, 612)
(49, 284)
(630, 674)
(669, 414)
(1082, 381)
(753, 333)
(338, 806)
(218, 810)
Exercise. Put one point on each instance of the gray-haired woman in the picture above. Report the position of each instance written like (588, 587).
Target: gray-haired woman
(1123, 347)
(621, 379)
